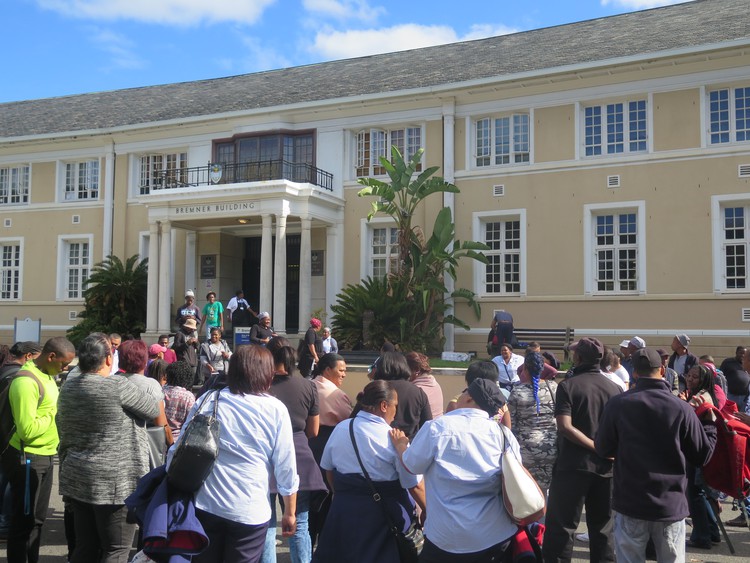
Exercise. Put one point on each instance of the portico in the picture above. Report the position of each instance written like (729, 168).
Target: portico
(191, 226)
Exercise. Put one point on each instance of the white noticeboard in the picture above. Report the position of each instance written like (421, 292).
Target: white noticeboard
(27, 329)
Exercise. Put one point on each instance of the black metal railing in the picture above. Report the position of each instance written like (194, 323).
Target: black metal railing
(215, 174)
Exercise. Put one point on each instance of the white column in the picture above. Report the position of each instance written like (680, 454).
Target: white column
(165, 254)
(449, 200)
(305, 275)
(190, 258)
(109, 202)
(334, 264)
(152, 299)
(266, 266)
(279, 277)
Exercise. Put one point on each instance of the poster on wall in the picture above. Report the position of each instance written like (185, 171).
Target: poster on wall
(208, 266)
(317, 263)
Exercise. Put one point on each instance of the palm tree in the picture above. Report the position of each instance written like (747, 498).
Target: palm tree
(423, 264)
(115, 298)
(401, 197)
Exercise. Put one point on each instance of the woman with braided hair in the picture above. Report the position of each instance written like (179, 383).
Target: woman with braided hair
(532, 411)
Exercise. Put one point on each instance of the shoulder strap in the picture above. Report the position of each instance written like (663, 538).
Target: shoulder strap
(375, 494)
(205, 398)
(32, 375)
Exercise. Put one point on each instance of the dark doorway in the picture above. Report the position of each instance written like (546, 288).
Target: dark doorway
(251, 278)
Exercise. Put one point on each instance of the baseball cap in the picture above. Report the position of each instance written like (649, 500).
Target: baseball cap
(646, 360)
(662, 352)
(189, 293)
(637, 342)
(155, 349)
(624, 343)
(589, 349)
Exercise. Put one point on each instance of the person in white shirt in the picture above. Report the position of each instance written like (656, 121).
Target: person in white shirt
(608, 371)
(115, 339)
(356, 529)
(460, 455)
(256, 441)
(329, 342)
(508, 363)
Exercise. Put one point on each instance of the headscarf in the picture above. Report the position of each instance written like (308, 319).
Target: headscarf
(315, 323)
(487, 395)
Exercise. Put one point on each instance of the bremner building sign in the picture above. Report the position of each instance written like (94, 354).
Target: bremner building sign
(210, 208)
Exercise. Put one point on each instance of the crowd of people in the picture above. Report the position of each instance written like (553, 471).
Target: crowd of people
(616, 434)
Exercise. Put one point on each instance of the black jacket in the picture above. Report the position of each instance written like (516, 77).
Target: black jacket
(652, 435)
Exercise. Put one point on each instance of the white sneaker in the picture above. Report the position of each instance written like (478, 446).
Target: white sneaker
(584, 537)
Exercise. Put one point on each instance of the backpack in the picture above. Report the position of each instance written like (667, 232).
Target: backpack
(728, 470)
(7, 423)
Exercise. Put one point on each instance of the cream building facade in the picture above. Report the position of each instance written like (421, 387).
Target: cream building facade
(606, 163)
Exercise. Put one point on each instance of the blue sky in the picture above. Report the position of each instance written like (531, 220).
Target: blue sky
(62, 47)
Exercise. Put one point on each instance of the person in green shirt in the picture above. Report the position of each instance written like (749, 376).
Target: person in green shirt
(32, 447)
(213, 314)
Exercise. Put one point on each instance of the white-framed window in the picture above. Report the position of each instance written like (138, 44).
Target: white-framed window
(11, 269)
(74, 266)
(82, 180)
(371, 144)
(505, 233)
(730, 222)
(502, 140)
(162, 170)
(14, 184)
(729, 115)
(615, 128)
(378, 247)
(614, 248)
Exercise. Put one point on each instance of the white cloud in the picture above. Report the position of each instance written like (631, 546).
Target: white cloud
(259, 57)
(120, 49)
(641, 4)
(344, 9)
(333, 44)
(171, 12)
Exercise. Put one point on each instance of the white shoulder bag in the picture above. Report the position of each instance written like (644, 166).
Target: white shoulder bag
(522, 497)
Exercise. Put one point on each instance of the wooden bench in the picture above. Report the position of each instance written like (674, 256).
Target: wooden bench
(548, 338)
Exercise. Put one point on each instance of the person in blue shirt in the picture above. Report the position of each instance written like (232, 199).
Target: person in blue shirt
(460, 455)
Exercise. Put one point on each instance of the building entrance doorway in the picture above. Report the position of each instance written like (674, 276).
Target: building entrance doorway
(251, 279)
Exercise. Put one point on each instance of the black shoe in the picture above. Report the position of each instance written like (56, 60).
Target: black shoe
(715, 539)
(697, 545)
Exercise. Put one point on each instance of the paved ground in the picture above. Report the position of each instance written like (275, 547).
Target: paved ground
(54, 547)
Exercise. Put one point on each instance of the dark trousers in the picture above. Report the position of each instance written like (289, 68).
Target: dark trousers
(705, 528)
(433, 554)
(102, 533)
(26, 525)
(569, 492)
(230, 542)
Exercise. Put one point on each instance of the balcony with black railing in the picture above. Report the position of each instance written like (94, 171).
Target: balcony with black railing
(215, 174)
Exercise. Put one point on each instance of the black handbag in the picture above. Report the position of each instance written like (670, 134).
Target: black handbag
(409, 543)
(197, 450)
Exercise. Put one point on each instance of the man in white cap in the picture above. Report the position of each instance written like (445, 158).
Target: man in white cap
(188, 310)
(681, 359)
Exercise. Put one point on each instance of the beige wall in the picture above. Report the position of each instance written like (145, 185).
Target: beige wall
(677, 120)
(554, 133)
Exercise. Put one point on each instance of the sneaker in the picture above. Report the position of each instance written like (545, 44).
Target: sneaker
(738, 521)
(584, 537)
